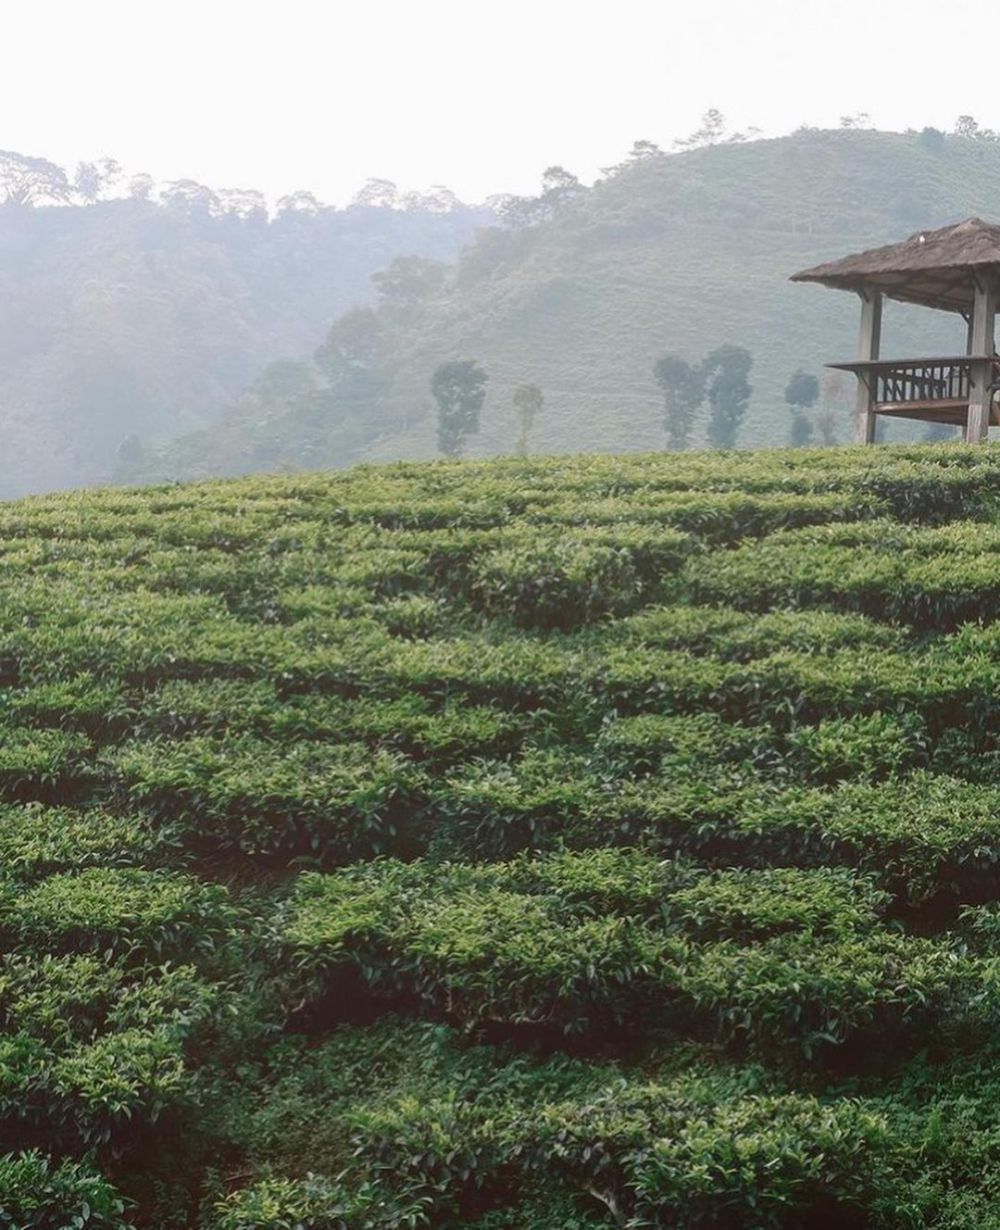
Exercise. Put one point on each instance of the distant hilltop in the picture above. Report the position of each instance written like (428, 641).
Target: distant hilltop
(678, 253)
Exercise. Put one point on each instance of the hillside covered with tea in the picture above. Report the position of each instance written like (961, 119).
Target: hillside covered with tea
(584, 290)
(551, 844)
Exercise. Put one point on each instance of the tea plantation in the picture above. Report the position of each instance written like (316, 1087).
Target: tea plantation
(525, 845)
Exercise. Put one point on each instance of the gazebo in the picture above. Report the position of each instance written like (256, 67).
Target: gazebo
(954, 269)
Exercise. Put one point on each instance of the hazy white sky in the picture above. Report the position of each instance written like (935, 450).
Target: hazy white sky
(478, 96)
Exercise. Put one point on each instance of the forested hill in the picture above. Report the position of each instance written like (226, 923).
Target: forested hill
(669, 253)
(144, 318)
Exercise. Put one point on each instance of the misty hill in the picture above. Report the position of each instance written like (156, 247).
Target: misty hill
(146, 317)
(680, 253)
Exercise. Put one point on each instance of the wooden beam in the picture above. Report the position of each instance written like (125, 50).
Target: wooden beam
(869, 339)
(951, 412)
(981, 341)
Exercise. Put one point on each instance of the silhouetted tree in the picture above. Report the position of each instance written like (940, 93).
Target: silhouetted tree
(726, 370)
(31, 181)
(353, 341)
(559, 188)
(299, 203)
(826, 426)
(93, 178)
(559, 185)
(518, 211)
(352, 360)
(683, 388)
(967, 126)
(188, 196)
(377, 194)
(459, 388)
(243, 202)
(409, 280)
(528, 402)
(801, 431)
(836, 394)
(140, 187)
(641, 151)
(801, 393)
(712, 130)
(87, 182)
(438, 199)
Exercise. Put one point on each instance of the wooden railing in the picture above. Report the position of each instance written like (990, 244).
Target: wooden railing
(921, 382)
(930, 381)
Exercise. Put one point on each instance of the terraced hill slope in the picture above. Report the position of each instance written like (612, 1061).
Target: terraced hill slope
(557, 845)
(680, 253)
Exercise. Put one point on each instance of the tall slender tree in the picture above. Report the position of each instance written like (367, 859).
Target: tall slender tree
(528, 402)
(459, 388)
(726, 371)
(683, 386)
(801, 394)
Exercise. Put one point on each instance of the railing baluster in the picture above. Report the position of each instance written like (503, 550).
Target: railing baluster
(933, 381)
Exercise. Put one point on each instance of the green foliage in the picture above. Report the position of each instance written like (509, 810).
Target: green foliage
(566, 583)
(124, 911)
(778, 953)
(543, 842)
(817, 995)
(802, 390)
(95, 1054)
(37, 840)
(528, 402)
(261, 796)
(753, 1162)
(727, 369)
(485, 943)
(683, 388)
(874, 746)
(37, 1193)
(459, 388)
(739, 904)
(315, 1203)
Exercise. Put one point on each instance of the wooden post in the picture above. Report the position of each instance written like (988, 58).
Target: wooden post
(869, 339)
(981, 342)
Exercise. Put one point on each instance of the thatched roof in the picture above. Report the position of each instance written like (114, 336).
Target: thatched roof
(934, 268)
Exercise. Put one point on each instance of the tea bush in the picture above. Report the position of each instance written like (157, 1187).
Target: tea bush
(262, 796)
(788, 954)
(37, 1193)
(124, 911)
(553, 843)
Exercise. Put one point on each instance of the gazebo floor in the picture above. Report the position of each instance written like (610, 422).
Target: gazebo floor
(952, 413)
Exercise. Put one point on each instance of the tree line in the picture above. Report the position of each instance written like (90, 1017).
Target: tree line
(459, 390)
(721, 378)
(28, 182)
